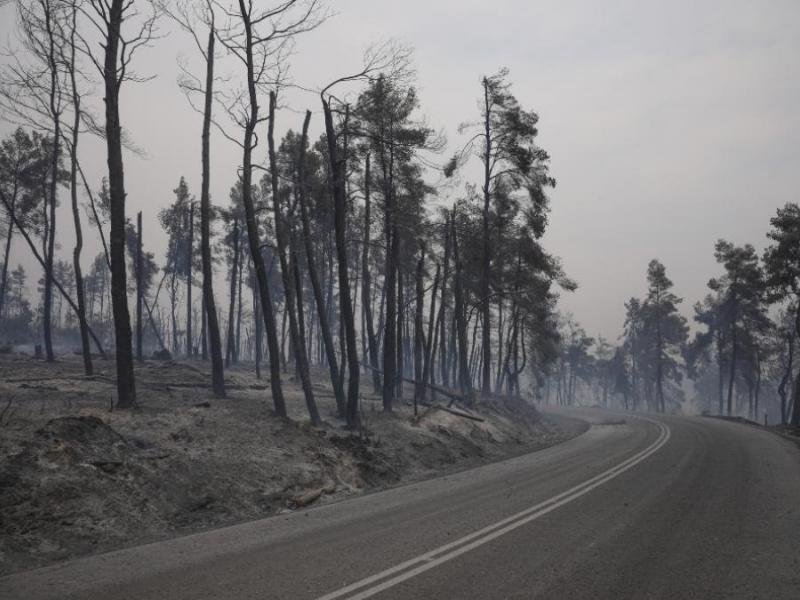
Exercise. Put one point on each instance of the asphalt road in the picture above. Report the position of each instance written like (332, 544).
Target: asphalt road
(648, 507)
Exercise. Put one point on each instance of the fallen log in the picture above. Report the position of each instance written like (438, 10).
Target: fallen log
(64, 377)
(436, 388)
(202, 384)
(452, 411)
(307, 498)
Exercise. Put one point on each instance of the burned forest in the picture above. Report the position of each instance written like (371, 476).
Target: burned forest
(258, 259)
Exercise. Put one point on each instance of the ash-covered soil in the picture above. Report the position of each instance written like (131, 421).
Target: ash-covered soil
(78, 477)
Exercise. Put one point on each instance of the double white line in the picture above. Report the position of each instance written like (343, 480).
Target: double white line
(379, 582)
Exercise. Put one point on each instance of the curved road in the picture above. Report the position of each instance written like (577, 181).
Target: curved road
(636, 507)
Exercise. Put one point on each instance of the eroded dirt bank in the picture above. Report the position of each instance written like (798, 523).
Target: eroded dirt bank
(77, 477)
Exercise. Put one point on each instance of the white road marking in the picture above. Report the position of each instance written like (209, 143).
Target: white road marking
(424, 562)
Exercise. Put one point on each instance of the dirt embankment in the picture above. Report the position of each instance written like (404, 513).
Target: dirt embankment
(77, 477)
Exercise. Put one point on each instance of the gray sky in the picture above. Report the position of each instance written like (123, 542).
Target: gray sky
(669, 124)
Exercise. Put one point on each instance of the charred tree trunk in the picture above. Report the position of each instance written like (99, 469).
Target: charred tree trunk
(419, 336)
(399, 334)
(338, 172)
(229, 354)
(487, 251)
(210, 306)
(298, 343)
(6, 254)
(796, 408)
(284, 332)
(297, 281)
(366, 282)
(126, 384)
(83, 323)
(252, 228)
(390, 274)
(720, 373)
(757, 387)
(139, 290)
(237, 347)
(464, 379)
(659, 369)
(786, 379)
(734, 358)
(257, 319)
(475, 355)
(47, 316)
(322, 313)
(173, 303)
(500, 326)
(203, 329)
(430, 341)
(380, 332)
(189, 261)
(444, 362)
(50, 198)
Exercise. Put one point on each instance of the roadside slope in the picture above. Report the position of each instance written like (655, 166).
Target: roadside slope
(77, 478)
(710, 513)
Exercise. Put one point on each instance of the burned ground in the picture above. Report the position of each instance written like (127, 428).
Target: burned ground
(79, 477)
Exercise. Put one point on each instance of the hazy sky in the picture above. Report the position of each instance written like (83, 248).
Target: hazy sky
(669, 124)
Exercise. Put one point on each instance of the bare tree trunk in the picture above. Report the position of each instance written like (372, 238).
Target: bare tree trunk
(444, 356)
(211, 321)
(427, 370)
(786, 379)
(519, 367)
(257, 319)
(796, 408)
(475, 355)
(720, 375)
(512, 352)
(298, 343)
(419, 336)
(487, 251)
(265, 295)
(83, 324)
(47, 315)
(464, 379)
(659, 368)
(153, 324)
(203, 329)
(6, 254)
(297, 281)
(237, 348)
(390, 275)
(189, 261)
(500, 326)
(366, 282)
(10, 205)
(382, 318)
(173, 303)
(102, 315)
(126, 384)
(322, 313)
(139, 290)
(734, 358)
(229, 354)
(338, 172)
(284, 334)
(399, 334)
(54, 92)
